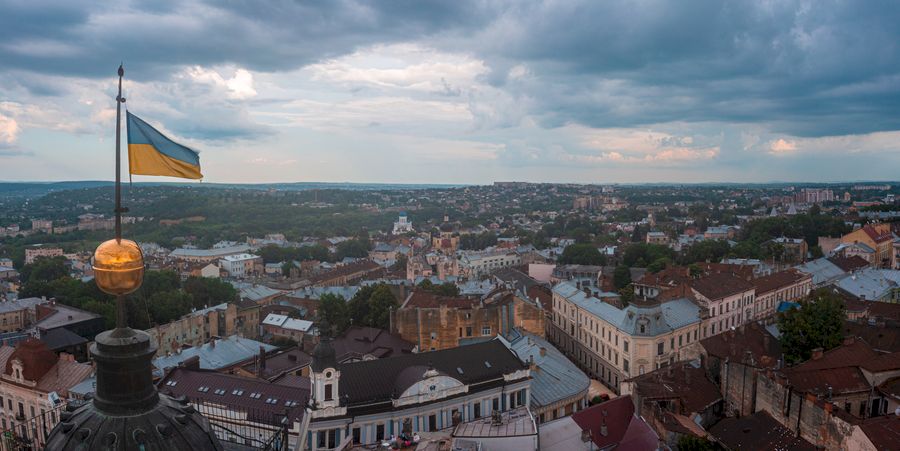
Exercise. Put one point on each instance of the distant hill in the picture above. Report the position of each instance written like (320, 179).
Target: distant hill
(37, 189)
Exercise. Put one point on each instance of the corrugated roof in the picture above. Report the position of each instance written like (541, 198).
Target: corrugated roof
(556, 377)
(224, 353)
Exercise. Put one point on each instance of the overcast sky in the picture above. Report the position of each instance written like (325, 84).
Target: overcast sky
(459, 91)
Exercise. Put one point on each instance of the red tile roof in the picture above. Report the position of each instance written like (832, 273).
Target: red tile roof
(735, 344)
(876, 235)
(883, 432)
(720, 285)
(623, 429)
(36, 358)
(848, 264)
(757, 431)
(778, 280)
(679, 381)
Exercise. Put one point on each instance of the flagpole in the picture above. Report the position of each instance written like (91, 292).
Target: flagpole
(119, 101)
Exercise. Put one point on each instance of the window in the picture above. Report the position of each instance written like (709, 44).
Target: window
(203, 389)
(171, 383)
(379, 432)
(219, 391)
(255, 395)
(328, 392)
(659, 348)
(625, 346)
(496, 404)
(625, 365)
(237, 392)
(356, 435)
(680, 338)
(469, 331)
(672, 343)
(432, 423)
(476, 410)
(486, 330)
(434, 335)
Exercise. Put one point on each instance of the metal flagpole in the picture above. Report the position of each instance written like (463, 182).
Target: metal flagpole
(119, 101)
(121, 320)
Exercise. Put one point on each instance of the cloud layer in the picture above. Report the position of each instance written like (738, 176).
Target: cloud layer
(463, 91)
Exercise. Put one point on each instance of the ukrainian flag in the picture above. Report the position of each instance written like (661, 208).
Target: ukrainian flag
(151, 153)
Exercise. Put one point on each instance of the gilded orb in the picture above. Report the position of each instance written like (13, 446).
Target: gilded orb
(118, 266)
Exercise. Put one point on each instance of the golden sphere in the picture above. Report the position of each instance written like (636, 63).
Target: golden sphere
(118, 266)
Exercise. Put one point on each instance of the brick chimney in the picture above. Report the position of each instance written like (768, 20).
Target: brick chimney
(817, 353)
(261, 362)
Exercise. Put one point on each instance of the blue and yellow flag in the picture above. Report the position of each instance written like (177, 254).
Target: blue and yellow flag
(151, 153)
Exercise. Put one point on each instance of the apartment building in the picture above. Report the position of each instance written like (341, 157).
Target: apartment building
(773, 289)
(727, 300)
(613, 344)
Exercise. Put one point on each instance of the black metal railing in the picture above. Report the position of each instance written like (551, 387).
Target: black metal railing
(253, 428)
(28, 434)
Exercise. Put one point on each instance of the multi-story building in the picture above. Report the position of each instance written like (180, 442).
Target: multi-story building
(371, 400)
(773, 289)
(727, 300)
(659, 238)
(196, 328)
(814, 195)
(241, 265)
(345, 274)
(613, 344)
(42, 225)
(32, 254)
(476, 265)
(434, 322)
(208, 255)
(282, 326)
(876, 236)
(18, 314)
(34, 383)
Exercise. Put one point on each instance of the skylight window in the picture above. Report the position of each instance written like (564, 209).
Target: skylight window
(171, 383)
(203, 389)
(237, 392)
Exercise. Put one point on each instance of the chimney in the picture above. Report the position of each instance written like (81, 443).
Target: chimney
(191, 363)
(817, 353)
(212, 343)
(543, 351)
(603, 431)
(261, 362)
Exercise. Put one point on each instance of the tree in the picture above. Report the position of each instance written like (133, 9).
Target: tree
(207, 291)
(333, 309)
(444, 289)
(687, 442)
(381, 303)
(286, 268)
(582, 254)
(817, 323)
(621, 276)
(44, 268)
(351, 248)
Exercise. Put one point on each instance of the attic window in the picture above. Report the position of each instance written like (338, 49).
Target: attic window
(255, 395)
(290, 403)
(237, 391)
(171, 383)
(203, 389)
(272, 401)
(487, 364)
(459, 370)
(219, 391)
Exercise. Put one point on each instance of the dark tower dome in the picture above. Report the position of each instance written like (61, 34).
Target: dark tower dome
(127, 412)
(323, 354)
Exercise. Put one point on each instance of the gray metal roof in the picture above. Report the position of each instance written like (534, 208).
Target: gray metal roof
(657, 319)
(821, 270)
(556, 378)
(871, 284)
(345, 292)
(210, 253)
(225, 352)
